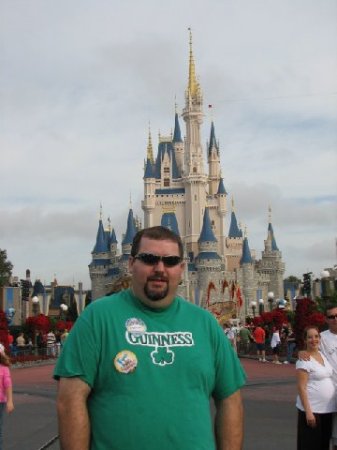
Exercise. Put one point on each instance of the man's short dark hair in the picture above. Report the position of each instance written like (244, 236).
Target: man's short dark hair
(157, 233)
(329, 306)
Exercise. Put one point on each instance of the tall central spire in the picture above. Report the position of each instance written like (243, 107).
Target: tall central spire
(149, 152)
(193, 85)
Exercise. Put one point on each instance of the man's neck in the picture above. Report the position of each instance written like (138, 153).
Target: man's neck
(333, 332)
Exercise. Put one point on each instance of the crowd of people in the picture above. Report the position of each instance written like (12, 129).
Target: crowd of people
(49, 343)
(261, 340)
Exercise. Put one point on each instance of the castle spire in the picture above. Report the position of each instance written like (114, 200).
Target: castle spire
(246, 255)
(234, 229)
(193, 85)
(212, 140)
(101, 245)
(149, 152)
(207, 234)
(177, 132)
(271, 238)
(130, 229)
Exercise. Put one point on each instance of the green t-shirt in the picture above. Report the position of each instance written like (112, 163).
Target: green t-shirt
(152, 373)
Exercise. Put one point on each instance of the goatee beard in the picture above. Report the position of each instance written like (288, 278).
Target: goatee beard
(155, 295)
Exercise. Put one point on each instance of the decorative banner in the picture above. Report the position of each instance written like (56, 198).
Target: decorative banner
(224, 285)
(210, 287)
(239, 300)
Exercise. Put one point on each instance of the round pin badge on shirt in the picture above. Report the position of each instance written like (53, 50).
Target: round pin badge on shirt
(135, 326)
(125, 362)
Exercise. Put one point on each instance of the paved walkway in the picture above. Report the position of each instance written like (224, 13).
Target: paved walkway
(269, 398)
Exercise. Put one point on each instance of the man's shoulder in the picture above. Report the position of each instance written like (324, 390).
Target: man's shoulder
(328, 336)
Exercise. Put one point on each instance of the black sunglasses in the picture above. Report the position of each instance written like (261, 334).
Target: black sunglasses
(152, 260)
(332, 317)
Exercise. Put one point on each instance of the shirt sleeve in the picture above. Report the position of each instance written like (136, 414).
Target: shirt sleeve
(303, 365)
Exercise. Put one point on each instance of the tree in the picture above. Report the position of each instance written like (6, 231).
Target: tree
(6, 268)
(306, 314)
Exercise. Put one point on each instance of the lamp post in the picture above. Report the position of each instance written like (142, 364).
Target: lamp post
(261, 306)
(270, 297)
(35, 303)
(253, 304)
(63, 310)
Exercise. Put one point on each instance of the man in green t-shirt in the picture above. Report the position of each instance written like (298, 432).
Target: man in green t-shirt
(139, 367)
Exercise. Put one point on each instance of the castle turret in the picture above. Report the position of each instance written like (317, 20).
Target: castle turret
(213, 163)
(98, 268)
(127, 244)
(234, 243)
(221, 196)
(208, 264)
(149, 202)
(271, 262)
(178, 144)
(248, 285)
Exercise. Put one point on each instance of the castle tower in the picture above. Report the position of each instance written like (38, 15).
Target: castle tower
(213, 163)
(208, 264)
(221, 197)
(272, 264)
(98, 268)
(234, 243)
(113, 248)
(178, 144)
(149, 202)
(248, 285)
(194, 179)
(127, 244)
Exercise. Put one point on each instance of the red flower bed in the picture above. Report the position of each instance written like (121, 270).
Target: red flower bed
(275, 318)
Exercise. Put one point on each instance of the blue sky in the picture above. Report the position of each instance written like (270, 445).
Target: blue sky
(81, 80)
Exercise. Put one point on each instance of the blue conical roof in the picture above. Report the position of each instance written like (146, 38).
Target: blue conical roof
(273, 241)
(166, 147)
(234, 230)
(177, 132)
(212, 140)
(169, 221)
(130, 229)
(101, 245)
(207, 234)
(221, 188)
(149, 169)
(113, 239)
(246, 256)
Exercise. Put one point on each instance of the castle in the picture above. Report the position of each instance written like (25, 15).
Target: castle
(181, 194)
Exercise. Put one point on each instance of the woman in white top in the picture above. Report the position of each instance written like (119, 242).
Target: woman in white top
(317, 397)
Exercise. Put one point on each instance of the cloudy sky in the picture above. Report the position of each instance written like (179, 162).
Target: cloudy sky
(80, 81)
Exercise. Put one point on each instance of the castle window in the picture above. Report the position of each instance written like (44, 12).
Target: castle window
(194, 170)
(166, 170)
(166, 182)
